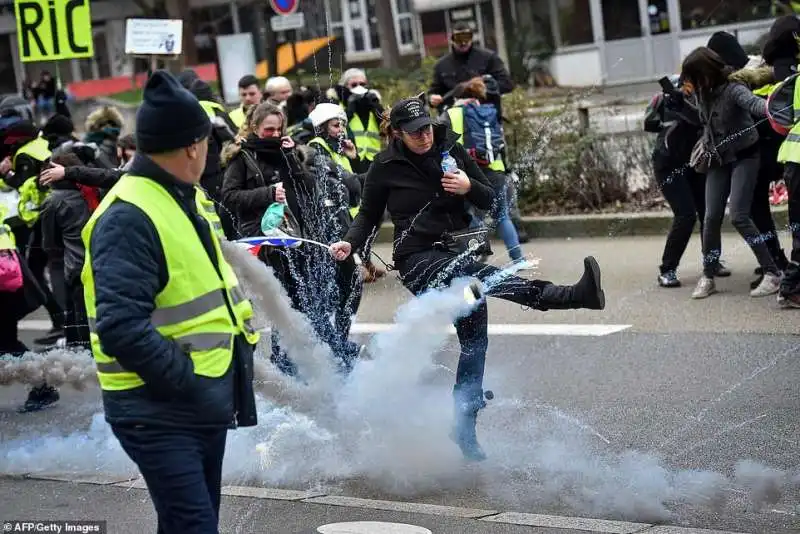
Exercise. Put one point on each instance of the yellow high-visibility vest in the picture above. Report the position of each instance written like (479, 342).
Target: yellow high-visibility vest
(237, 116)
(30, 196)
(456, 114)
(191, 310)
(790, 148)
(211, 108)
(368, 140)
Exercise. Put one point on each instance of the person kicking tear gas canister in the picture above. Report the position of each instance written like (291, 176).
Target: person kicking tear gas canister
(431, 219)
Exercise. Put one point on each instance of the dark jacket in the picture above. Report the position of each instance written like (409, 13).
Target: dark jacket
(129, 271)
(728, 118)
(455, 68)
(337, 191)
(413, 193)
(64, 214)
(249, 185)
(93, 176)
(677, 123)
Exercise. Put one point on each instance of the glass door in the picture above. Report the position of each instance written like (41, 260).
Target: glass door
(624, 41)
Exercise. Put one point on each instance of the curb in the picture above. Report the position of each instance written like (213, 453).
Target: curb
(589, 525)
(603, 225)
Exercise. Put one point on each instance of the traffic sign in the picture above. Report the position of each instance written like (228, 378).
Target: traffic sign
(282, 23)
(284, 7)
(49, 30)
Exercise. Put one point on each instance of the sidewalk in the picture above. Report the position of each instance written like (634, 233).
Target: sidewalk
(126, 506)
(605, 225)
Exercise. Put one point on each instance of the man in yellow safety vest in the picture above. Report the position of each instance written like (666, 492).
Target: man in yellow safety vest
(170, 325)
(249, 95)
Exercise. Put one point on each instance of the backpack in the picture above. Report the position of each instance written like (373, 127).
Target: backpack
(780, 106)
(483, 134)
(10, 271)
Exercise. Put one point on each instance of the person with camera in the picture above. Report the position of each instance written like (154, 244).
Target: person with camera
(427, 181)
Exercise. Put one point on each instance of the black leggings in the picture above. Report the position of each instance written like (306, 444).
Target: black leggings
(685, 192)
(29, 241)
(760, 210)
(436, 268)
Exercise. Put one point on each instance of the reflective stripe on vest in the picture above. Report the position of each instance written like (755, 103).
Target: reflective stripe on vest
(368, 140)
(237, 116)
(37, 149)
(456, 114)
(211, 108)
(340, 159)
(766, 90)
(790, 148)
(191, 310)
(207, 206)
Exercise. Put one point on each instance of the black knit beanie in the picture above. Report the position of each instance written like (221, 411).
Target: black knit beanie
(781, 42)
(728, 48)
(170, 117)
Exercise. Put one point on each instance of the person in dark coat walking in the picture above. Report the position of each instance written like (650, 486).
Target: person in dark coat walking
(171, 333)
(465, 62)
(433, 244)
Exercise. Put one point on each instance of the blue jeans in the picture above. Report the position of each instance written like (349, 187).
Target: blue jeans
(45, 106)
(183, 471)
(501, 213)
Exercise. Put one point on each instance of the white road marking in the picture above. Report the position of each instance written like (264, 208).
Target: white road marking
(397, 506)
(371, 527)
(507, 329)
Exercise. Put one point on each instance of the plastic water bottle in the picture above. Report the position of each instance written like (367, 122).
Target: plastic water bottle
(449, 163)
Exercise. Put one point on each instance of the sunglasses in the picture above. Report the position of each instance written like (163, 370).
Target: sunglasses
(422, 132)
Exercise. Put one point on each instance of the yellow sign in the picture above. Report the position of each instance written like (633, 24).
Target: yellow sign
(48, 30)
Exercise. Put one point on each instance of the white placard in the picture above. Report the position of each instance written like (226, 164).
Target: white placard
(282, 23)
(237, 58)
(153, 37)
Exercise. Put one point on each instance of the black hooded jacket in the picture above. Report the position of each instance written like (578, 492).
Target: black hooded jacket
(410, 187)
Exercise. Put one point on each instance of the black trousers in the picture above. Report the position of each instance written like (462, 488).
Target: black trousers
(77, 325)
(685, 192)
(29, 242)
(760, 211)
(792, 178)
(183, 472)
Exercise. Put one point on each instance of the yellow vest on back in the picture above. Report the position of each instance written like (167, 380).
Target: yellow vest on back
(790, 148)
(191, 310)
(368, 140)
(456, 114)
(30, 196)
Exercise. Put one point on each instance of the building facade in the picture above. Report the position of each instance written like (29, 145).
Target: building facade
(589, 42)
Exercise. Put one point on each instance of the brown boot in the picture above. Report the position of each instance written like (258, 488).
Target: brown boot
(373, 273)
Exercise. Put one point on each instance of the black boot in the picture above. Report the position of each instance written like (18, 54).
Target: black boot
(39, 398)
(586, 294)
(467, 402)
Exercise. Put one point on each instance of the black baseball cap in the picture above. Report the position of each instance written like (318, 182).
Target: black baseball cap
(410, 115)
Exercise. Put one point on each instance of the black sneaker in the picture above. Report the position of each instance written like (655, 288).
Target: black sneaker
(51, 338)
(722, 271)
(40, 398)
(669, 279)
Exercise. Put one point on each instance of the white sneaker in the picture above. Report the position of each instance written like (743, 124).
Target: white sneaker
(705, 288)
(769, 285)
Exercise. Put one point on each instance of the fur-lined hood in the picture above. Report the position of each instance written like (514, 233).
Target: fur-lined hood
(229, 151)
(754, 77)
(104, 116)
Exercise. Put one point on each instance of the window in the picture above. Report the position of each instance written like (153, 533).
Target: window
(701, 13)
(621, 20)
(574, 22)
(355, 22)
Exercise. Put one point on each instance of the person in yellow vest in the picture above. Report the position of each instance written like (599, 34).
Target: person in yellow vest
(170, 324)
(782, 53)
(28, 155)
(223, 131)
(249, 95)
(364, 114)
(475, 120)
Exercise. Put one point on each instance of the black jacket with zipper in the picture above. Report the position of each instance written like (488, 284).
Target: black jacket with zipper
(249, 185)
(64, 214)
(420, 209)
(678, 127)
